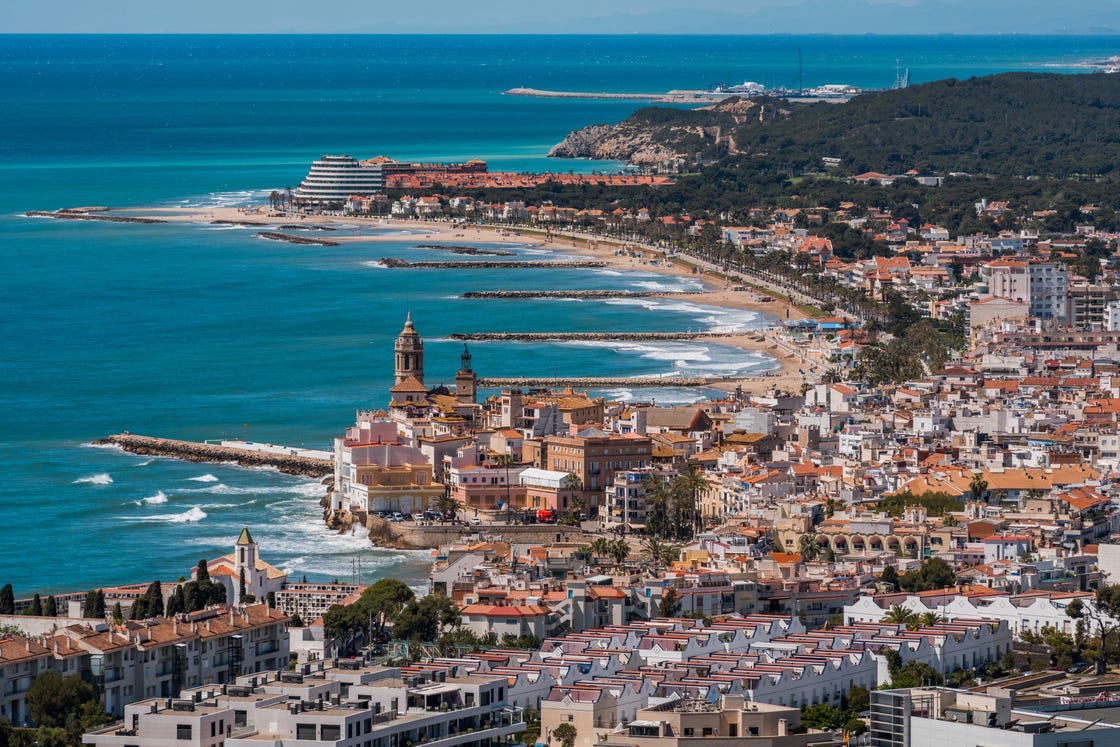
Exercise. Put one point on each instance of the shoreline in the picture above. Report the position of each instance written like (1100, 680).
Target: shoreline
(786, 375)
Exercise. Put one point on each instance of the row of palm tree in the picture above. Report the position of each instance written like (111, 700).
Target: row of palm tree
(912, 620)
(673, 509)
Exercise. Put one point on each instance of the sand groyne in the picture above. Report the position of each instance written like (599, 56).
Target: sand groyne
(396, 262)
(192, 451)
(277, 236)
(592, 336)
(577, 294)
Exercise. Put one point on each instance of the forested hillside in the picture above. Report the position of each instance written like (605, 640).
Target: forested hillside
(1015, 124)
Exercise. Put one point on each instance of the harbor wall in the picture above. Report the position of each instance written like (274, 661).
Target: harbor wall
(192, 451)
(405, 535)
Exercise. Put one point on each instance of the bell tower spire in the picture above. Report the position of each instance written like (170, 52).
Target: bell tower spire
(409, 353)
(466, 381)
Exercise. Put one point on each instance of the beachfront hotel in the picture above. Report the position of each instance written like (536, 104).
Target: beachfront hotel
(336, 178)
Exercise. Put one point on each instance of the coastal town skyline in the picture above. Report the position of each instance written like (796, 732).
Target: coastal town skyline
(716, 17)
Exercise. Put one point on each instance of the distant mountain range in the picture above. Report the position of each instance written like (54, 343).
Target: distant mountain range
(1013, 124)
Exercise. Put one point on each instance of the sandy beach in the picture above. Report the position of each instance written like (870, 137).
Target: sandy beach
(786, 377)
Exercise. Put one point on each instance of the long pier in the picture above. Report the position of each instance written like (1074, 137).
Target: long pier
(396, 262)
(599, 382)
(577, 294)
(593, 336)
(192, 451)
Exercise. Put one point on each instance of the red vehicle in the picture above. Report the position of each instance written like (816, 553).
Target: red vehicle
(546, 516)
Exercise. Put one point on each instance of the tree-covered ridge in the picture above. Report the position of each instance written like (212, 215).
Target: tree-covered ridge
(1013, 124)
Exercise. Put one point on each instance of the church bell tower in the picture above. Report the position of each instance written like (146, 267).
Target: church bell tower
(466, 381)
(409, 352)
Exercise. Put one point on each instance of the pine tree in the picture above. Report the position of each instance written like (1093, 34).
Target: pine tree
(99, 605)
(7, 600)
(50, 609)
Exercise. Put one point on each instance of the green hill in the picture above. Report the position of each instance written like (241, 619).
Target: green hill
(1014, 124)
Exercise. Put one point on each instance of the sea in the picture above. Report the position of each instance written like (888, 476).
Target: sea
(206, 332)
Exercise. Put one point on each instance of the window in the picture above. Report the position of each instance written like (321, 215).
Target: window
(330, 733)
(305, 732)
(688, 731)
(183, 731)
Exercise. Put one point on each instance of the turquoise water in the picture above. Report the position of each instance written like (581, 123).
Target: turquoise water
(202, 332)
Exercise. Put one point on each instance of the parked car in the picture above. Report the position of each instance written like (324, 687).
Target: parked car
(397, 516)
(475, 521)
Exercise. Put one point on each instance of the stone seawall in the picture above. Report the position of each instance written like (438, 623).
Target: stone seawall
(576, 294)
(192, 451)
(594, 336)
(407, 536)
(398, 263)
(464, 249)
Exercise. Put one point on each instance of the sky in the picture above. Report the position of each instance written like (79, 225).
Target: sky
(568, 16)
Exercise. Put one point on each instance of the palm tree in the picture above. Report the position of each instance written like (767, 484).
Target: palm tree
(659, 504)
(900, 615)
(449, 506)
(692, 483)
(929, 619)
(618, 549)
(807, 546)
(660, 552)
(978, 485)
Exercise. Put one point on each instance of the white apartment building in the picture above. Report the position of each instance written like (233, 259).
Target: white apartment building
(1044, 285)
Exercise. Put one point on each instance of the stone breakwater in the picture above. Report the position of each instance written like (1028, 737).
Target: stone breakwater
(594, 336)
(192, 451)
(277, 236)
(582, 382)
(84, 214)
(396, 262)
(577, 294)
(473, 250)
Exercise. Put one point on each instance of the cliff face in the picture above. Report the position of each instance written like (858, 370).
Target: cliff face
(658, 135)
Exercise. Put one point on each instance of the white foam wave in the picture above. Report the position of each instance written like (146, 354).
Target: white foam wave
(195, 514)
(154, 500)
(102, 479)
(203, 478)
(111, 447)
(374, 264)
(145, 463)
(609, 273)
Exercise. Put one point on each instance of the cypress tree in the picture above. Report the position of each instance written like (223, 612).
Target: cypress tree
(7, 600)
(175, 602)
(50, 609)
(153, 599)
(118, 613)
(36, 608)
(139, 609)
(241, 586)
(203, 573)
(89, 609)
(99, 606)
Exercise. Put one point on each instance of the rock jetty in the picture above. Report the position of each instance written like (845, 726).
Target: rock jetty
(192, 451)
(594, 336)
(396, 262)
(277, 236)
(306, 227)
(84, 214)
(576, 294)
(462, 249)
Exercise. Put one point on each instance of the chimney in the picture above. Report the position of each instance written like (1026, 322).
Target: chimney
(782, 727)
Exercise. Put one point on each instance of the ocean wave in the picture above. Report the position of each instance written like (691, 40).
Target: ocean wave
(203, 478)
(195, 514)
(609, 273)
(154, 500)
(102, 479)
(110, 446)
(374, 264)
(145, 463)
